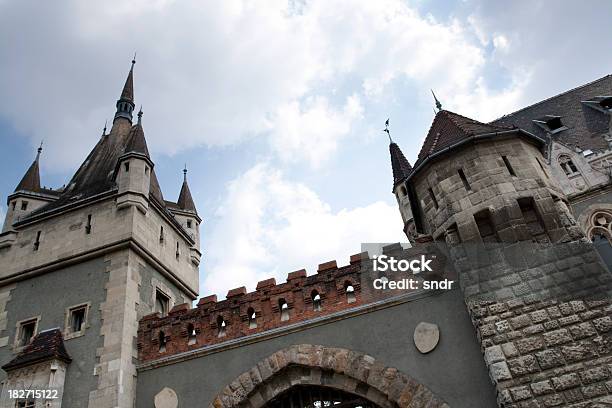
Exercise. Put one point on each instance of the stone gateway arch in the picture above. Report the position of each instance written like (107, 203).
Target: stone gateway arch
(305, 375)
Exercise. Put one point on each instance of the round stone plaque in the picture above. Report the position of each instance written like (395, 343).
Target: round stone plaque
(426, 337)
(166, 398)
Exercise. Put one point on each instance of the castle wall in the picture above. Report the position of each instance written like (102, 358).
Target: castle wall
(64, 237)
(49, 296)
(385, 334)
(532, 283)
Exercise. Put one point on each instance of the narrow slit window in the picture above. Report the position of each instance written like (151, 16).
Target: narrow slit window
(316, 301)
(508, 166)
(542, 167)
(88, 225)
(161, 234)
(350, 293)
(284, 310)
(37, 241)
(464, 180)
(126, 165)
(252, 316)
(162, 342)
(188, 223)
(24, 205)
(433, 198)
(14, 205)
(178, 253)
(221, 326)
(191, 334)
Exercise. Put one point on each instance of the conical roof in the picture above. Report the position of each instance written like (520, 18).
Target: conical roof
(31, 178)
(400, 165)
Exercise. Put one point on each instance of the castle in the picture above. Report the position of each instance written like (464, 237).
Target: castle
(97, 280)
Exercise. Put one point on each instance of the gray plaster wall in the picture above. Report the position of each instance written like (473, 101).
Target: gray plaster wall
(151, 279)
(48, 296)
(580, 206)
(455, 370)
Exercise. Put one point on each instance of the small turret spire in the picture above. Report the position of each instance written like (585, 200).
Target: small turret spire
(185, 201)
(386, 129)
(125, 104)
(438, 104)
(31, 179)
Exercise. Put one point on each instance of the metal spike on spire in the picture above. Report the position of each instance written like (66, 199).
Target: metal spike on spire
(386, 129)
(438, 104)
(104, 130)
(134, 59)
(185, 172)
(39, 151)
(140, 115)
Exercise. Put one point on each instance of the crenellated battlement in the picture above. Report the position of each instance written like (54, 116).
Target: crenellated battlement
(271, 305)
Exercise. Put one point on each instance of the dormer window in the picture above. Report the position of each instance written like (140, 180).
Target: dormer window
(602, 103)
(568, 166)
(550, 123)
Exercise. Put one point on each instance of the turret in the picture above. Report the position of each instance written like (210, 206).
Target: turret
(186, 214)
(401, 169)
(133, 171)
(28, 195)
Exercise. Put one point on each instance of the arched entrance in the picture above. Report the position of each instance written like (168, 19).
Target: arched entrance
(308, 376)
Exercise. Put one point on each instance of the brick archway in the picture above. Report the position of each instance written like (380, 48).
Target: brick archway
(338, 368)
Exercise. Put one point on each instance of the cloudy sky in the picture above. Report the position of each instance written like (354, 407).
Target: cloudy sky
(277, 106)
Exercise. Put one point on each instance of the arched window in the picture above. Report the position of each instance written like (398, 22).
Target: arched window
(162, 342)
(252, 318)
(191, 334)
(221, 326)
(599, 232)
(316, 301)
(350, 292)
(568, 166)
(283, 306)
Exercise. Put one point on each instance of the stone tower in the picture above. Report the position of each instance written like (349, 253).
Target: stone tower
(80, 265)
(536, 291)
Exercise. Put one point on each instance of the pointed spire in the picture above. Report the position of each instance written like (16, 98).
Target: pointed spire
(31, 179)
(438, 104)
(387, 131)
(104, 130)
(399, 164)
(185, 201)
(125, 104)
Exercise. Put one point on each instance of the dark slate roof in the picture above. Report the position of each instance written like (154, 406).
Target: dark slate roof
(48, 344)
(31, 179)
(400, 165)
(449, 128)
(128, 88)
(585, 125)
(185, 202)
(136, 141)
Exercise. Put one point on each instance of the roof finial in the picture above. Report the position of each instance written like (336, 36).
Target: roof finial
(185, 173)
(104, 130)
(39, 151)
(386, 129)
(134, 59)
(438, 104)
(140, 115)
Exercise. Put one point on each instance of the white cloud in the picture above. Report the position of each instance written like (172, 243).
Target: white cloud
(247, 69)
(312, 129)
(269, 226)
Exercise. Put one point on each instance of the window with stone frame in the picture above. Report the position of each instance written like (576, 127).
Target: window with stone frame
(567, 165)
(162, 302)
(26, 332)
(76, 320)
